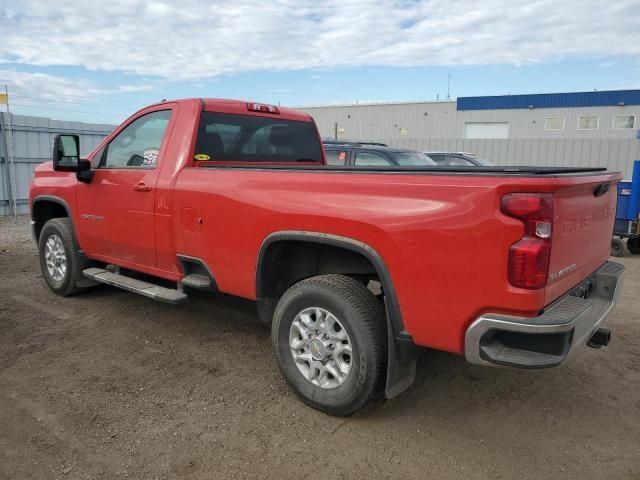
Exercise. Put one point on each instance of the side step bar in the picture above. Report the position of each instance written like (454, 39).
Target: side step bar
(155, 292)
(196, 280)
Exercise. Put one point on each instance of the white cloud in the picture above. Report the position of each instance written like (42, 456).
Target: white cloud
(38, 87)
(192, 39)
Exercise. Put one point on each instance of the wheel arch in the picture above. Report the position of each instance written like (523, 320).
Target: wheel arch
(402, 351)
(46, 207)
(264, 268)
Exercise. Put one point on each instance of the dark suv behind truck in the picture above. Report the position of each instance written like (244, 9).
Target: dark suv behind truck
(365, 154)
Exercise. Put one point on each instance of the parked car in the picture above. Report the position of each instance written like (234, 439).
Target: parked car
(368, 154)
(458, 159)
(354, 268)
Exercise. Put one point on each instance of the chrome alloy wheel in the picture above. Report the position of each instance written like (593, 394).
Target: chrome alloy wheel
(56, 258)
(321, 348)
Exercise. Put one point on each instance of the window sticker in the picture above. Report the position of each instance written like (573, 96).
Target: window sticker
(202, 157)
(150, 157)
(342, 155)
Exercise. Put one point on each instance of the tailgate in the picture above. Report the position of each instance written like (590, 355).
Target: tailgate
(582, 229)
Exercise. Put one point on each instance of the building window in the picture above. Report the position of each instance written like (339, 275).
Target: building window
(624, 121)
(588, 123)
(486, 130)
(554, 123)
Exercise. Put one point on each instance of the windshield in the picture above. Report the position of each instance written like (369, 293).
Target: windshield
(412, 159)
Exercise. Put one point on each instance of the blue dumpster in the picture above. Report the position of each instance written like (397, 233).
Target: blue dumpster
(627, 209)
(624, 195)
(634, 200)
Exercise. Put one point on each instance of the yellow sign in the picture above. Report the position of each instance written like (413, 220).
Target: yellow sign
(202, 157)
(4, 98)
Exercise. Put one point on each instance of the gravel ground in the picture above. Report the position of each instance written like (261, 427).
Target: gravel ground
(112, 385)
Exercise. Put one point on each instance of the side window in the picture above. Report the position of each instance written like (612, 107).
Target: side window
(336, 157)
(97, 158)
(460, 162)
(439, 158)
(371, 159)
(138, 145)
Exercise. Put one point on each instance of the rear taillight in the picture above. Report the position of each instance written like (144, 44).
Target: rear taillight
(529, 257)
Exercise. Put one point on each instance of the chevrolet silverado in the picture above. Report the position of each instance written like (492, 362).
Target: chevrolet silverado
(354, 268)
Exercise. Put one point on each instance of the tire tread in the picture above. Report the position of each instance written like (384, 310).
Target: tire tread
(373, 327)
(63, 225)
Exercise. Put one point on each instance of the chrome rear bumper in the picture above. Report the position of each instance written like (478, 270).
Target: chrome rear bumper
(546, 340)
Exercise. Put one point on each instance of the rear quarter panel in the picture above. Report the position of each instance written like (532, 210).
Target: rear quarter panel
(442, 238)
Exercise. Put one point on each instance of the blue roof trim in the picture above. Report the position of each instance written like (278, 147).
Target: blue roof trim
(551, 100)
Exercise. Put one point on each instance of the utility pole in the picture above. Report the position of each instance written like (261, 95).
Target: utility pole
(335, 131)
(7, 173)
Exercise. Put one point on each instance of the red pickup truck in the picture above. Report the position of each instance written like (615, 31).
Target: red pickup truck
(354, 268)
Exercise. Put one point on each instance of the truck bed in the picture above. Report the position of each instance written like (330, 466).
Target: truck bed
(439, 229)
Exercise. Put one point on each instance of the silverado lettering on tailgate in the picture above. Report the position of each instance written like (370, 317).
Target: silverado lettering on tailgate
(579, 223)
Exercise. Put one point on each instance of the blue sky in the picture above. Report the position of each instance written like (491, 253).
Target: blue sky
(100, 61)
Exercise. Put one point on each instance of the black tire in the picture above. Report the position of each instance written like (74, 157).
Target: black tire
(363, 318)
(67, 285)
(633, 244)
(617, 247)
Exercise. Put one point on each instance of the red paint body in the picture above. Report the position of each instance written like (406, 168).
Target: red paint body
(442, 237)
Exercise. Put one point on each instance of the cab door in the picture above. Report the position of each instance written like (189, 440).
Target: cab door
(116, 209)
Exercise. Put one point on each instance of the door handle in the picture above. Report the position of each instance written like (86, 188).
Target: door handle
(141, 187)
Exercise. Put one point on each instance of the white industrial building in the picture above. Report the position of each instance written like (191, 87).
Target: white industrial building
(569, 129)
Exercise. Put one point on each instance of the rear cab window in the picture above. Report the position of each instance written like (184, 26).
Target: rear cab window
(227, 137)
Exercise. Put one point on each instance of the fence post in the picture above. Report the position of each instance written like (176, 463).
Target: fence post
(7, 173)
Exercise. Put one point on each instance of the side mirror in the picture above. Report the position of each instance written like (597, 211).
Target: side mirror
(66, 153)
(84, 173)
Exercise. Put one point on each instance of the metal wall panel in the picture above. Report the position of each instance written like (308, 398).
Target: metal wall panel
(30, 141)
(548, 152)
(440, 126)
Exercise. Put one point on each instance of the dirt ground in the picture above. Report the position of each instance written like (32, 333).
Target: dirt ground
(112, 385)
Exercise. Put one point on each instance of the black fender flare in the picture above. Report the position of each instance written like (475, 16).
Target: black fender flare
(81, 280)
(60, 201)
(402, 351)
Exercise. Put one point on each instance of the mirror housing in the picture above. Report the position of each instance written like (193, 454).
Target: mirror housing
(66, 153)
(84, 173)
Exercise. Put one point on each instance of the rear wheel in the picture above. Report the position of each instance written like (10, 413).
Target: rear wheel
(633, 244)
(617, 247)
(329, 338)
(60, 263)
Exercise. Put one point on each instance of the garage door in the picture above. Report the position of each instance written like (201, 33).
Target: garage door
(486, 130)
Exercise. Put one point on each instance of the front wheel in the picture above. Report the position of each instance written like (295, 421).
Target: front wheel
(330, 342)
(60, 263)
